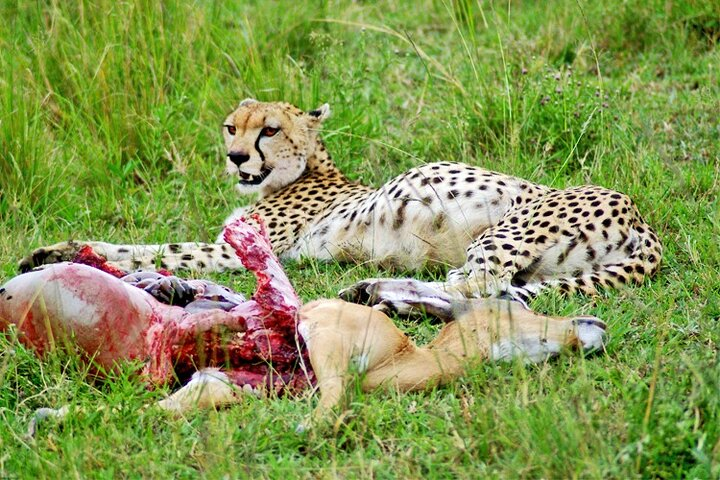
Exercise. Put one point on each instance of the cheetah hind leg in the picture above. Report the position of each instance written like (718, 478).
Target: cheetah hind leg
(403, 296)
(633, 269)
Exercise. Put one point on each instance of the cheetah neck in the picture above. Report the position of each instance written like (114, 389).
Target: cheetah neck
(290, 211)
(320, 162)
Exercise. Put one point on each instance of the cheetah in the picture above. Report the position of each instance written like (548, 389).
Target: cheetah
(499, 234)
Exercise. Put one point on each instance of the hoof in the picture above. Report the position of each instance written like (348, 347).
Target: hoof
(591, 333)
(41, 414)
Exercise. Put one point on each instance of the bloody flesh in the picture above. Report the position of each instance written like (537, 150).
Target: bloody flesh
(87, 256)
(255, 343)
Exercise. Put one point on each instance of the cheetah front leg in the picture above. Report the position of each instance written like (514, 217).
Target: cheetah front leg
(491, 270)
(208, 257)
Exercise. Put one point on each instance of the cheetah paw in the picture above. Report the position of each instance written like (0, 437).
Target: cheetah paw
(60, 252)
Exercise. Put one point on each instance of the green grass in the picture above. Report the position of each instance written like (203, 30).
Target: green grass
(110, 118)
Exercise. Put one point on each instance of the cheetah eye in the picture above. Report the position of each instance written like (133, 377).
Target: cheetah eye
(269, 131)
(231, 129)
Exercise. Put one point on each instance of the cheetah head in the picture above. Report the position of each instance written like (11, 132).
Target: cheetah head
(268, 144)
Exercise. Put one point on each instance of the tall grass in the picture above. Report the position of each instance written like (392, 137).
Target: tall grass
(109, 130)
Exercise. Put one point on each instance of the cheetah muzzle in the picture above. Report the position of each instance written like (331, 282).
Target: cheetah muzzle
(248, 179)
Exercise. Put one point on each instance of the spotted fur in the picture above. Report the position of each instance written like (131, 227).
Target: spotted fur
(503, 234)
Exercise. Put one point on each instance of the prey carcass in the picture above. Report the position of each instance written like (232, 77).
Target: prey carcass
(227, 346)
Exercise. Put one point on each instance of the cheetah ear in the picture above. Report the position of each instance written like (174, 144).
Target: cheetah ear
(321, 113)
(247, 101)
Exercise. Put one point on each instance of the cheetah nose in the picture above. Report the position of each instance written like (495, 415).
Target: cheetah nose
(238, 158)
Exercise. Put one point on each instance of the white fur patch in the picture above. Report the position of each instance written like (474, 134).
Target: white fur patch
(590, 333)
(208, 375)
(72, 306)
(305, 332)
(322, 112)
(531, 349)
(246, 102)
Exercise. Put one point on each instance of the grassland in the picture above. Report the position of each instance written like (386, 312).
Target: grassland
(110, 118)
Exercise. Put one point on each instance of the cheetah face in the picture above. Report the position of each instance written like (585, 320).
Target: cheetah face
(268, 144)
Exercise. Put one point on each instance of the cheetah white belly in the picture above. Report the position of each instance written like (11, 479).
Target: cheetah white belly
(408, 223)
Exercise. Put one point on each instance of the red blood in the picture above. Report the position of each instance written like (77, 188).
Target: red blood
(87, 256)
(255, 343)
